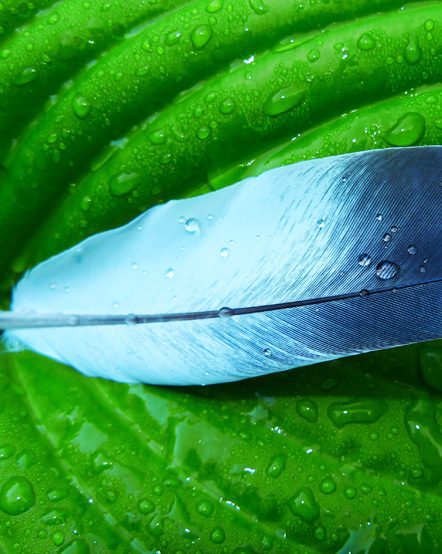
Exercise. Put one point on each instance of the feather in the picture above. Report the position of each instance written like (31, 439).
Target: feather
(303, 264)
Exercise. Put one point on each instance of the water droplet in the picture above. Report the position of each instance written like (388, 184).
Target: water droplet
(314, 55)
(134, 266)
(6, 451)
(123, 184)
(276, 466)
(327, 485)
(53, 517)
(81, 107)
(320, 223)
(145, 506)
(412, 250)
(205, 508)
(85, 203)
(387, 269)
(429, 24)
(131, 319)
(214, 6)
(364, 260)
(413, 52)
(350, 492)
(394, 229)
(201, 36)
(224, 252)
(170, 273)
(379, 217)
(308, 410)
(192, 225)
(16, 496)
(267, 353)
(430, 359)
(304, 505)
(28, 75)
(173, 38)
(366, 42)
(218, 535)
(284, 100)
(422, 269)
(58, 538)
(73, 320)
(225, 313)
(408, 130)
(227, 106)
(157, 137)
(259, 7)
(203, 133)
(386, 237)
(363, 410)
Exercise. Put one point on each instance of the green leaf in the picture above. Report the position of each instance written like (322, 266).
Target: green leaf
(341, 457)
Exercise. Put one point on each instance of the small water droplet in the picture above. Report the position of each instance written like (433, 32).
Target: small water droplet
(203, 133)
(364, 292)
(379, 217)
(28, 75)
(205, 508)
(225, 313)
(6, 451)
(328, 485)
(284, 100)
(81, 107)
(364, 260)
(58, 538)
(276, 466)
(267, 353)
(308, 410)
(408, 130)
(224, 252)
(366, 42)
(387, 269)
(201, 36)
(134, 266)
(394, 229)
(320, 223)
(350, 492)
(386, 237)
(192, 225)
(73, 320)
(412, 250)
(170, 273)
(422, 269)
(16, 496)
(304, 505)
(259, 7)
(429, 24)
(173, 38)
(123, 184)
(131, 319)
(157, 137)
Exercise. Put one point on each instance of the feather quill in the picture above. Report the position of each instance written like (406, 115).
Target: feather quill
(303, 264)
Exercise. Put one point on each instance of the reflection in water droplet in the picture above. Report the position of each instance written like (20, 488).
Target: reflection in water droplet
(387, 269)
(408, 130)
(364, 260)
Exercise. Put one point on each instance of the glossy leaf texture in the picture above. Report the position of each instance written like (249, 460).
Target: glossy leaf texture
(104, 114)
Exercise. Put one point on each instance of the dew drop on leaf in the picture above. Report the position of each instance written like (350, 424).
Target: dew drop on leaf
(201, 36)
(259, 7)
(17, 496)
(284, 100)
(304, 505)
(366, 42)
(307, 409)
(81, 107)
(408, 130)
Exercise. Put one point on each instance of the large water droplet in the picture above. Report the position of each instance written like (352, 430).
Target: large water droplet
(225, 313)
(387, 270)
(363, 410)
(408, 130)
(327, 485)
(218, 535)
(28, 75)
(413, 52)
(201, 36)
(284, 100)
(308, 410)
(304, 505)
(276, 466)
(258, 7)
(16, 496)
(366, 42)
(214, 6)
(122, 184)
(81, 107)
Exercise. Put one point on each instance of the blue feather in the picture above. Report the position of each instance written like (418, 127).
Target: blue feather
(303, 264)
